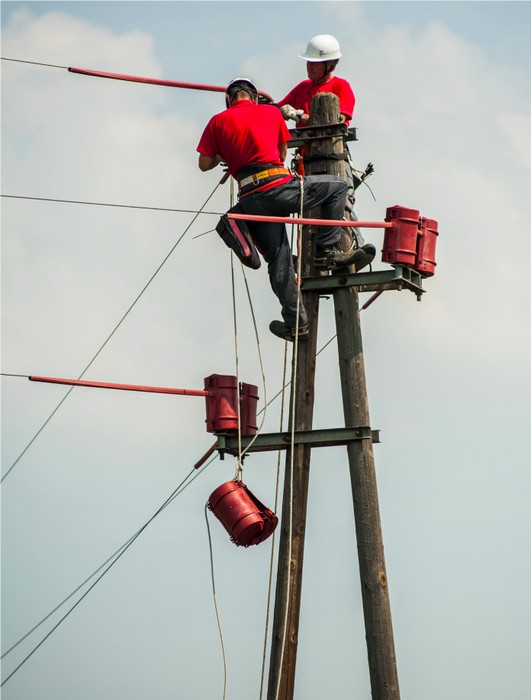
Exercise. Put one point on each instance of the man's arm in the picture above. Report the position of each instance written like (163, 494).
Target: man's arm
(208, 162)
(283, 151)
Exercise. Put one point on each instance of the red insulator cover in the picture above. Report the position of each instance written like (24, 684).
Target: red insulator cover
(248, 404)
(426, 243)
(400, 241)
(221, 403)
(243, 516)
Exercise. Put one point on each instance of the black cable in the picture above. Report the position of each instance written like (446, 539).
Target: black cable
(115, 557)
(126, 544)
(32, 63)
(111, 334)
(108, 204)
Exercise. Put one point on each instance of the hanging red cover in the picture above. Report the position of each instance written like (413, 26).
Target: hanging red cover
(243, 516)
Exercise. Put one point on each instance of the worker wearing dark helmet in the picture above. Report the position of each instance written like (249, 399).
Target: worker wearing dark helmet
(251, 139)
(322, 56)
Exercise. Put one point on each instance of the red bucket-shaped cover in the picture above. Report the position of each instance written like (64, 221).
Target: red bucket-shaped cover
(400, 241)
(243, 516)
(427, 241)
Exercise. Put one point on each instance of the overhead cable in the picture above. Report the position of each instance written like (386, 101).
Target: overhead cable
(32, 63)
(111, 334)
(112, 559)
(137, 78)
(109, 204)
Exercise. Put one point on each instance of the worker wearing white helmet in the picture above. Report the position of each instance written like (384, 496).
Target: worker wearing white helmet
(252, 140)
(322, 56)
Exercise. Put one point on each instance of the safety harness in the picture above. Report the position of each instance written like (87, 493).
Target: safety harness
(256, 181)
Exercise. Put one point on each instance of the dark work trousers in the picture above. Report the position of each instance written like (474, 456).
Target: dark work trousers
(351, 214)
(327, 191)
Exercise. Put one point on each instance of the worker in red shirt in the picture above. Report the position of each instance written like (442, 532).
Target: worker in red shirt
(322, 56)
(251, 139)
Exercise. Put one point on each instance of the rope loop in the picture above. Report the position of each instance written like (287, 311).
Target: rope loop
(238, 472)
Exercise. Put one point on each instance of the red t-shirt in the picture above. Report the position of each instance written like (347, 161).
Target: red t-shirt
(246, 133)
(301, 95)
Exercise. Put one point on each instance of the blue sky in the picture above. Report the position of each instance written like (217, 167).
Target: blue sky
(443, 111)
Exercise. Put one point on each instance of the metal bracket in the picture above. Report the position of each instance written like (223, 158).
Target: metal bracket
(399, 277)
(303, 134)
(267, 442)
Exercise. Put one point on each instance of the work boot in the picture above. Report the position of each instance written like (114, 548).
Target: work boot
(369, 251)
(282, 330)
(334, 258)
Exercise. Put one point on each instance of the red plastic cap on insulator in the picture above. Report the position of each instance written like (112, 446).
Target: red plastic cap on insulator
(243, 516)
(248, 406)
(427, 240)
(400, 241)
(222, 403)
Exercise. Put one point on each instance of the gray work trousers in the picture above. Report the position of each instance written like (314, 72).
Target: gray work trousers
(327, 191)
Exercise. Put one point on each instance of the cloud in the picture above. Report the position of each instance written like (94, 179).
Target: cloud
(447, 377)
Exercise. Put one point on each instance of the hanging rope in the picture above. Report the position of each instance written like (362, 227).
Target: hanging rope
(239, 465)
(218, 619)
(281, 393)
(292, 447)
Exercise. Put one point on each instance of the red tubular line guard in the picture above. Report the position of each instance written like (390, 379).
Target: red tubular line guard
(124, 387)
(156, 81)
(315, 222)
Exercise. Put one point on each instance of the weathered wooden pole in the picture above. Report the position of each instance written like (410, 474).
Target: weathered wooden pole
(373, 577)
(293, 522)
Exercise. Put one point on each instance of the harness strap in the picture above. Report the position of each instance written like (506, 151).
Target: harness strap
(256, 178)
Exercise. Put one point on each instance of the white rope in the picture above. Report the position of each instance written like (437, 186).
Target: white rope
(238, 473)
(292, 448)
(239, 464)
(261, 361)
(220, 630)
(273, 539)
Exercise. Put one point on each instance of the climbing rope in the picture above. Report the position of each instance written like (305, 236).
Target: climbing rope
(292, 446)
(216, 607)
(238, 474)
(281, 393)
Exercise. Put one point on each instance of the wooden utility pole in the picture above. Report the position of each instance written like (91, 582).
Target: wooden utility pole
(328, 143)
(375, 595)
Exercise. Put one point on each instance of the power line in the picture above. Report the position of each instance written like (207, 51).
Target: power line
(109, 204)
(111, 334)
(114, 557)
(33, 63)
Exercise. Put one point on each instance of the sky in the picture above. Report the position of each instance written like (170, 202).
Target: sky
(443, 111)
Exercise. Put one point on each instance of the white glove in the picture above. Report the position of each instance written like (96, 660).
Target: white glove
(289, 112)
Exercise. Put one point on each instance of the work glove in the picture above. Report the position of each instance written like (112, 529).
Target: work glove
(289, 112)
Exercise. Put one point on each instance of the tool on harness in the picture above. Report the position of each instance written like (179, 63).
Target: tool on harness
(247, 520)
(236, 235)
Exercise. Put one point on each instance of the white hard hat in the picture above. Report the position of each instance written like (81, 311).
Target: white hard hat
(244, 84)
(323, 47)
